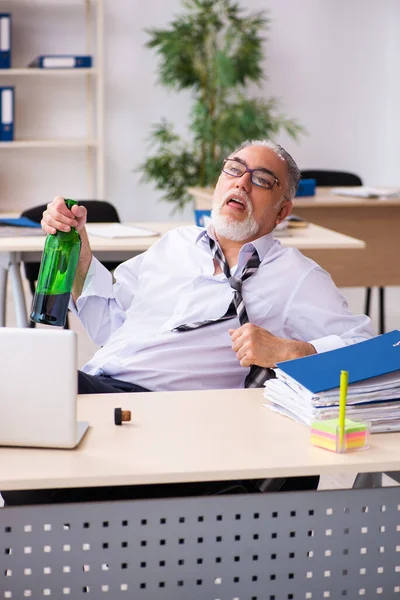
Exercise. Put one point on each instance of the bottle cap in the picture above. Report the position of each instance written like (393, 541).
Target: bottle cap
(121, 415)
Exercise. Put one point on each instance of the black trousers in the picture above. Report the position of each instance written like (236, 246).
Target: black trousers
(103, 384)
(89, 384)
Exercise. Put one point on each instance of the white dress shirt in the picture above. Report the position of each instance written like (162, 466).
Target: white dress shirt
(174, 283)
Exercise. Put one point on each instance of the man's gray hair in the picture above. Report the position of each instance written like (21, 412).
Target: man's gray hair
(294, 174)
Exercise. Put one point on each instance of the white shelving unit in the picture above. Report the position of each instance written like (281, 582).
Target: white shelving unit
(56, 143)
(93, 80)
(48, 72)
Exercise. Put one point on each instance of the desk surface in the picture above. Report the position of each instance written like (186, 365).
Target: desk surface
(324, 198)
(310, 237)
(186, 436)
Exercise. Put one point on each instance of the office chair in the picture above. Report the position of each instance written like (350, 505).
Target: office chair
(340, 179)
(99, 211)
(332, 178)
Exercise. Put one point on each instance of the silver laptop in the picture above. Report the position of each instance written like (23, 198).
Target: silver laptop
(38, 388)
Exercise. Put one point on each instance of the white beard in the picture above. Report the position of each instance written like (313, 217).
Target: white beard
(229, 227)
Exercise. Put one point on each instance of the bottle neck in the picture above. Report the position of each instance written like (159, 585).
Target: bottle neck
(63, 234)
(69, 202)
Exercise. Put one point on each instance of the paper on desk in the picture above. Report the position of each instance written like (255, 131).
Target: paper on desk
(11, 231)
(376, 401)
(281, 230)
(282, 233)
(361, 191)
(118, 230)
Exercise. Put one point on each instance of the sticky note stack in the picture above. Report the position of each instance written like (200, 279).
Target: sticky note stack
(326, 434)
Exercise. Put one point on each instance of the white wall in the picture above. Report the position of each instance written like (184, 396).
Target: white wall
(333, 64)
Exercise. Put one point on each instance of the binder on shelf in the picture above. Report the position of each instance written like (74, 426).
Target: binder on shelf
(61, 61)
(6, 114)
(5, 40)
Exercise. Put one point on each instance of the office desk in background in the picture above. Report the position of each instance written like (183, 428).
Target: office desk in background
(373, 220)
(300, 545)
(14, 250)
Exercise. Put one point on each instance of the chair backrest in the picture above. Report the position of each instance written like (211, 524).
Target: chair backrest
(332, 178)
(99, 211)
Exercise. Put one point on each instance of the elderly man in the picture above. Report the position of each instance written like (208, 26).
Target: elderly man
(173, 320)
(206, 309)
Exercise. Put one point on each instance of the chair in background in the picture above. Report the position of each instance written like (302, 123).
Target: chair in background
(340, 179)
(332, 178)
(98, 211)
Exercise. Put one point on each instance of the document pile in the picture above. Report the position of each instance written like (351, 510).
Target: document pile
(307, 389)
(361, 191)
(118, 230)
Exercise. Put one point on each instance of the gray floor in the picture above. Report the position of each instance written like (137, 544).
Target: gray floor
(355, 298)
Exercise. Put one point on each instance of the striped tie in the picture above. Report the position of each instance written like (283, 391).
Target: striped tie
(257, 375)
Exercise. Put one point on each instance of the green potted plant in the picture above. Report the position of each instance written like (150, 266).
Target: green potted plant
(214, 49)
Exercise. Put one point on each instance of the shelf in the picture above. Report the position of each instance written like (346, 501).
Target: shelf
(30, 24)
(46, 3)
(65, 143)
(47, 72)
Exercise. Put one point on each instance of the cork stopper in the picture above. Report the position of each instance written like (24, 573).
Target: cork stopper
(121, 415)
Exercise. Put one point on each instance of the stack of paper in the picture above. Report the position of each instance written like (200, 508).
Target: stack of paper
(361, 191)
(118, 230)
(307, 389)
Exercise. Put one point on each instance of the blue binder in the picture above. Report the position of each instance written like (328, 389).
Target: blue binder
(61, 61)
(20, 222)
(321, 372)
(6, 114)
(5, 40)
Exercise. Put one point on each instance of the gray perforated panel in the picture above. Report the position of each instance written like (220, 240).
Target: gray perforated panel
(279, 546)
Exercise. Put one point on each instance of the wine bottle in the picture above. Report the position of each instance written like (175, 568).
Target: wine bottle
(56, 276)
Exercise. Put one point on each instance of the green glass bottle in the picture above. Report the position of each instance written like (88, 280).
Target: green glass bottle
(56, 276)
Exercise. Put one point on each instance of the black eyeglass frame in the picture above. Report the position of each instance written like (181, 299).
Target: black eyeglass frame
(251, 171)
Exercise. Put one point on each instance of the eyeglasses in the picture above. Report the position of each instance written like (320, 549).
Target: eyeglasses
(261, 177)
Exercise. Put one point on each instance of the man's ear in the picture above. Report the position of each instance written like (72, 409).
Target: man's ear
(284, 211)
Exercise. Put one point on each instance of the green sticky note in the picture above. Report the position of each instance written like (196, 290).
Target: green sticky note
(331, 425)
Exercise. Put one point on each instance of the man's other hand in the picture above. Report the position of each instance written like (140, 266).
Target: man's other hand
(257, 346)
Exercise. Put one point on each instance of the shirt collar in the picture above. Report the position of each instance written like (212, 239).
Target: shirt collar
(262, 244)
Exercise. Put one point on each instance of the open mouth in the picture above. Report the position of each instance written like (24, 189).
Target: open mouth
(236, 204)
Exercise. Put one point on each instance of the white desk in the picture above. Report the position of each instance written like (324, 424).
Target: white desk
(186, 436)
(14, 250)
(255, 546)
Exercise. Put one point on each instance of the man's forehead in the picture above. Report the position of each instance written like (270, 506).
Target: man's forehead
(262, 156)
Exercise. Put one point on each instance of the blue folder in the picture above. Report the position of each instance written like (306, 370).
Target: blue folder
(61, 61)
(20, 222)
(321, 372)
(5, 40)
(7, 114)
